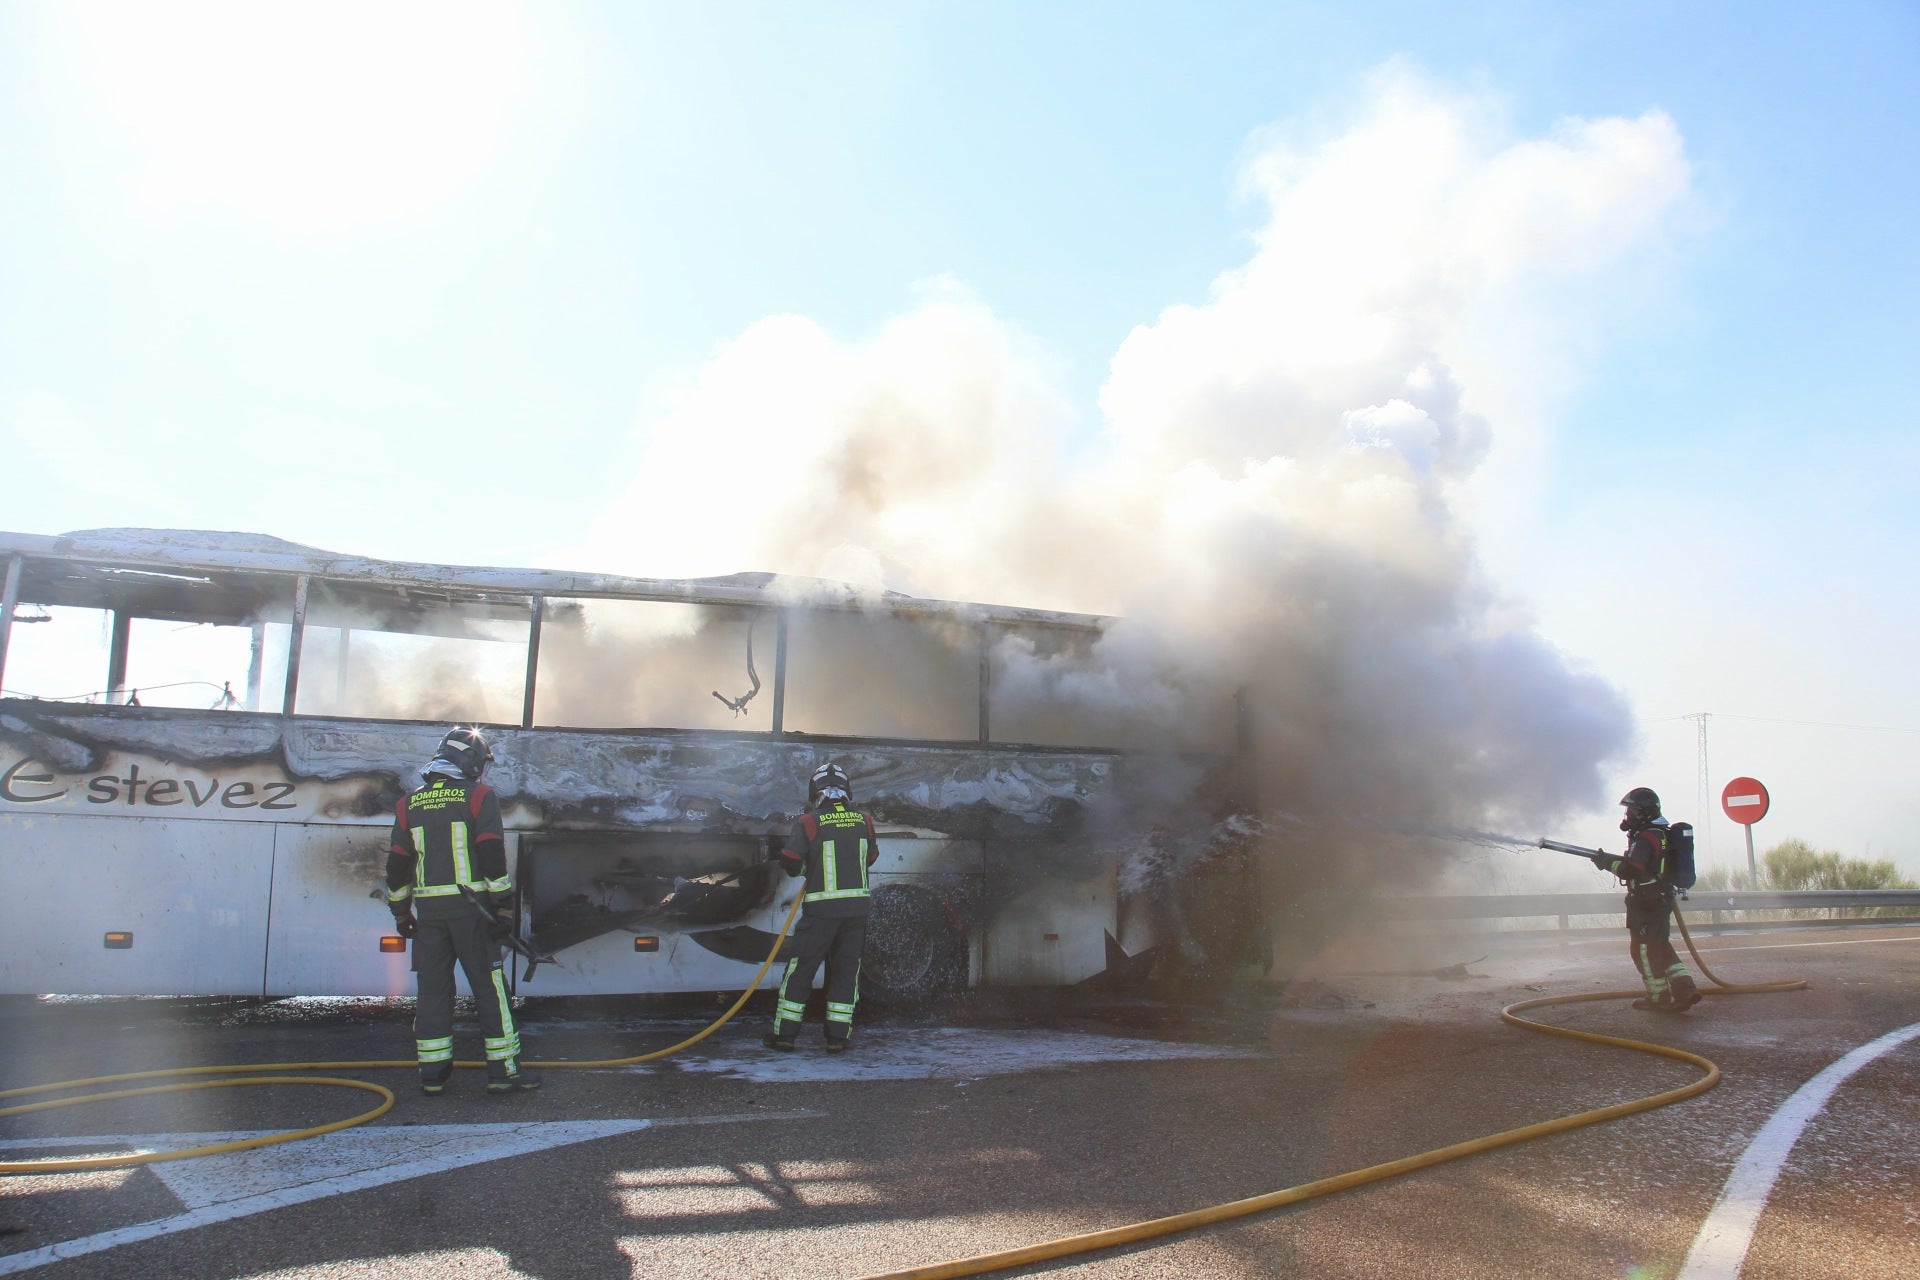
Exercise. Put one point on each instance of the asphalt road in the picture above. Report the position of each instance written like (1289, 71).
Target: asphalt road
(1003, 1123)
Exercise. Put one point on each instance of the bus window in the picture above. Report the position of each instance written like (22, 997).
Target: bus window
(635, 663)
(198, 664)
(867, 675)
(409, 656)
(366, 674)
(64, 657)
(168, 663)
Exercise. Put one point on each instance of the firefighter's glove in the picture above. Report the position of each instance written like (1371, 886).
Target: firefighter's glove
(1604, 861)
(405, 925)
(499, 909)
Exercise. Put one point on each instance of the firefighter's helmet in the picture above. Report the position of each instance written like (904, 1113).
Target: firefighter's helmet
(829, 782)
(1642, 806)
(467, 749)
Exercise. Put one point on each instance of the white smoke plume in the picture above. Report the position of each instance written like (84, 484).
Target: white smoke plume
(1277, 502)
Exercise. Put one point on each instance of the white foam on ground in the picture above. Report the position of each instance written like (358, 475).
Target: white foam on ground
(942, 1053)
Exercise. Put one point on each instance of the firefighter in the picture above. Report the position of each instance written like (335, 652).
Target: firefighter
(1648, 870)
(446, 837)
(832, 845)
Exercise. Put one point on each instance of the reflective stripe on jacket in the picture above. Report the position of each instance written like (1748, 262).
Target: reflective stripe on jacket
(445, 835)
(833, 848)
(1647, 859)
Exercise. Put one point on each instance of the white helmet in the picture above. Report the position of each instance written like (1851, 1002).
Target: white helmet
(829, 782)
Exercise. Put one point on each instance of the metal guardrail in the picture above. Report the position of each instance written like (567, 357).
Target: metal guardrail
(1736, 900)
(1710, 902)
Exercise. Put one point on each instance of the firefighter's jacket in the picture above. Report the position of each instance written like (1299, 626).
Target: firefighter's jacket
(833, 847)
(1648, 864)
(445, 835)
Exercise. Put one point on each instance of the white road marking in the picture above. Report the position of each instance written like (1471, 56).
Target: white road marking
(941, 1053)
(222, 1188)
(1720, 1250)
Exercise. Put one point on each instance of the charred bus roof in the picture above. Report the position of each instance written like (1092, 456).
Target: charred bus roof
(201, 576)
(271, 586)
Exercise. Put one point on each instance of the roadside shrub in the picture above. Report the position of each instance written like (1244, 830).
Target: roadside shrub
(1794, 865)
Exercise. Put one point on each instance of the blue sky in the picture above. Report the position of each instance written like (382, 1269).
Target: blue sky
(251, 267)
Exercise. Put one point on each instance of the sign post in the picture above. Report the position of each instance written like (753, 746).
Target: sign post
(1746, 802)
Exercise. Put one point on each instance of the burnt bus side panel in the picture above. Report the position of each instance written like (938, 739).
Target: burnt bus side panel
(191, 894)
(326, 927)
(1052, 935)
(579, 885)
(247, 851)
(558, 778)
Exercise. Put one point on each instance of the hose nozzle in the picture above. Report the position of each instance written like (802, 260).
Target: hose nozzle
(1577, 851)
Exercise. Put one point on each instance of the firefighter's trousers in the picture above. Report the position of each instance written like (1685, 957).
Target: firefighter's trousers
(838, 940)
(1649, 934)
(436, 946)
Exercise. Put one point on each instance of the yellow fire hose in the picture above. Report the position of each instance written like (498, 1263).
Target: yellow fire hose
(294, 1135)
(1067, 1246)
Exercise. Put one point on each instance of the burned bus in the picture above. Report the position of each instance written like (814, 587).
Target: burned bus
(203, 736)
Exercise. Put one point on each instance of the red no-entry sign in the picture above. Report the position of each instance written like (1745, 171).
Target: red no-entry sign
(1745, 801)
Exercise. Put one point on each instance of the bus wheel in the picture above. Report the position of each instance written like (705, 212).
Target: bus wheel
(916, 949)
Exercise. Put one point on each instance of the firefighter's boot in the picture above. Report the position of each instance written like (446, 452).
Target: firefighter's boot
(1659, 997)
(434, 1077)
(1681, 985)
(507, 1077)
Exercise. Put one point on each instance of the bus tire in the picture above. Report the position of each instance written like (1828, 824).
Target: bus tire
(916, 951)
